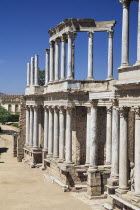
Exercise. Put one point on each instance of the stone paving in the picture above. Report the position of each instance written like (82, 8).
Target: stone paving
(24, 188)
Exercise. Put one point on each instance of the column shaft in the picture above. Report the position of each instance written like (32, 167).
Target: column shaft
(51, 62)
(32, 72)
(56, 60)
(46, 118)
(110, 55)
(68, 135)
(138, 39)
(47, 66)
(56, 133)
(70, 76)
(61, 134)
(88, 135)
(50, 139)
(63, 59)
(90, 56)
(35, 136)
(115, 143)
(36, 71)
(109, 135)
(93, 137)
(27, 125)
(31, 127)
(28, 74)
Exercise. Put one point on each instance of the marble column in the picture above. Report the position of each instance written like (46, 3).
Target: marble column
(90, 56)
(51, 61)
(73, 59)
(138, 37)
(88, 135)
(125, 33)
(123, 153)
(27, 125)
(28, 74)
(115, 142)
(61, 134)
(68, 135)
(47, 66)
(70, 42)
(56, 133)
(50, 138)
(56, 76)
(46, 131)
(35, 134)
(63, 58)
(110, 55)
(32, 72)
(31, 126)
(93, 135)
(36, 71)
(137, 153)
(109, 135)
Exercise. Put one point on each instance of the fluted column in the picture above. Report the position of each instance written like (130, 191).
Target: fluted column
(137, 153)
(46, 131)
(115, 142)
(31, 126)
(125, 33)
(90, 56)
(36, 71)
(56, 60)
(47, 66)
(110, 55)
(88, 135)
(68, 135)
(51, 61)
(28, 74)
(73, 60)
(32, 72)
(63, 58)
(56, 133)
(61, 134)
(35, 134)
(93, 135)
(27, 125)
(109, 135)
(50, 139)
(123, 153)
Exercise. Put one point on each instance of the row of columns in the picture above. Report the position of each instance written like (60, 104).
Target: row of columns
(125, 34)
(58, 132)
(52, 58)
(32, 72)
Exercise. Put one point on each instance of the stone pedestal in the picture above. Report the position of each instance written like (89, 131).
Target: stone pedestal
(94, 183)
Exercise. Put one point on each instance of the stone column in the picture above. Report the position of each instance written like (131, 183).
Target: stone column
(90, 56)
(56, 60)
(27, 125)
(110, 55)
(51, 61)
(50, 138)
(115, 142)
(138, 37)
(123, 154)
(47, 66)
(46, 131)
(32, 72)
(61, 134)
(93, 135)
(63, 58)
(70, 42)
(35, 134)
(109, 135)
(68, 135)
(125, 33)
(28, 74)
(31, 126)
(88, 136)
(73, 59)
(137, 153)
(56, 133)
(36, 71)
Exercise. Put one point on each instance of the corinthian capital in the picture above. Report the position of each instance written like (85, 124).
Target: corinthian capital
(125, 3)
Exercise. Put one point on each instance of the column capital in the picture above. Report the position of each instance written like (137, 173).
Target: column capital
(114, 103)
(27, 107)
(93, 102)
(57, 41)
(61, 108)
(137, 113)
(110, 34)
(51, 44)
(46, 107)
(109, 109)
(88, 110)
(47, 50)
(123, 111)
(125, 3)
(64, 38)
(90, 34)
(71, 35)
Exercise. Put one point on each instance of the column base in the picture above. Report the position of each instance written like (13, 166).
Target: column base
(112, 185)
(137, 63)
(122, 190)
(49, 155)
(60, 160)
(90, 78)
(136, 197)
(124, 65)
(70, 78)
(55, 156)
(109, 78)
(62, 79)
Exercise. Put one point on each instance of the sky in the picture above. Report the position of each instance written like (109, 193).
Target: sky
(24, 26)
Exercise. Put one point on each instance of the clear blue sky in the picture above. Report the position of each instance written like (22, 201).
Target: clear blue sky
(24, 26)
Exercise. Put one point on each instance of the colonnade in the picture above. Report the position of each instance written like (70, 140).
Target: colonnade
(125, 34)
(32, 72)
(53, 58)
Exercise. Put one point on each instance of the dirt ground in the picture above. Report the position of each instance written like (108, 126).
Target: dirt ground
(24, 188)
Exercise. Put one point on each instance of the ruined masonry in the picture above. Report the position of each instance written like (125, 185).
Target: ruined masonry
(85, 133)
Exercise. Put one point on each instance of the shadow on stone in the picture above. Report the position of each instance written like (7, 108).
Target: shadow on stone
(3, 149)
